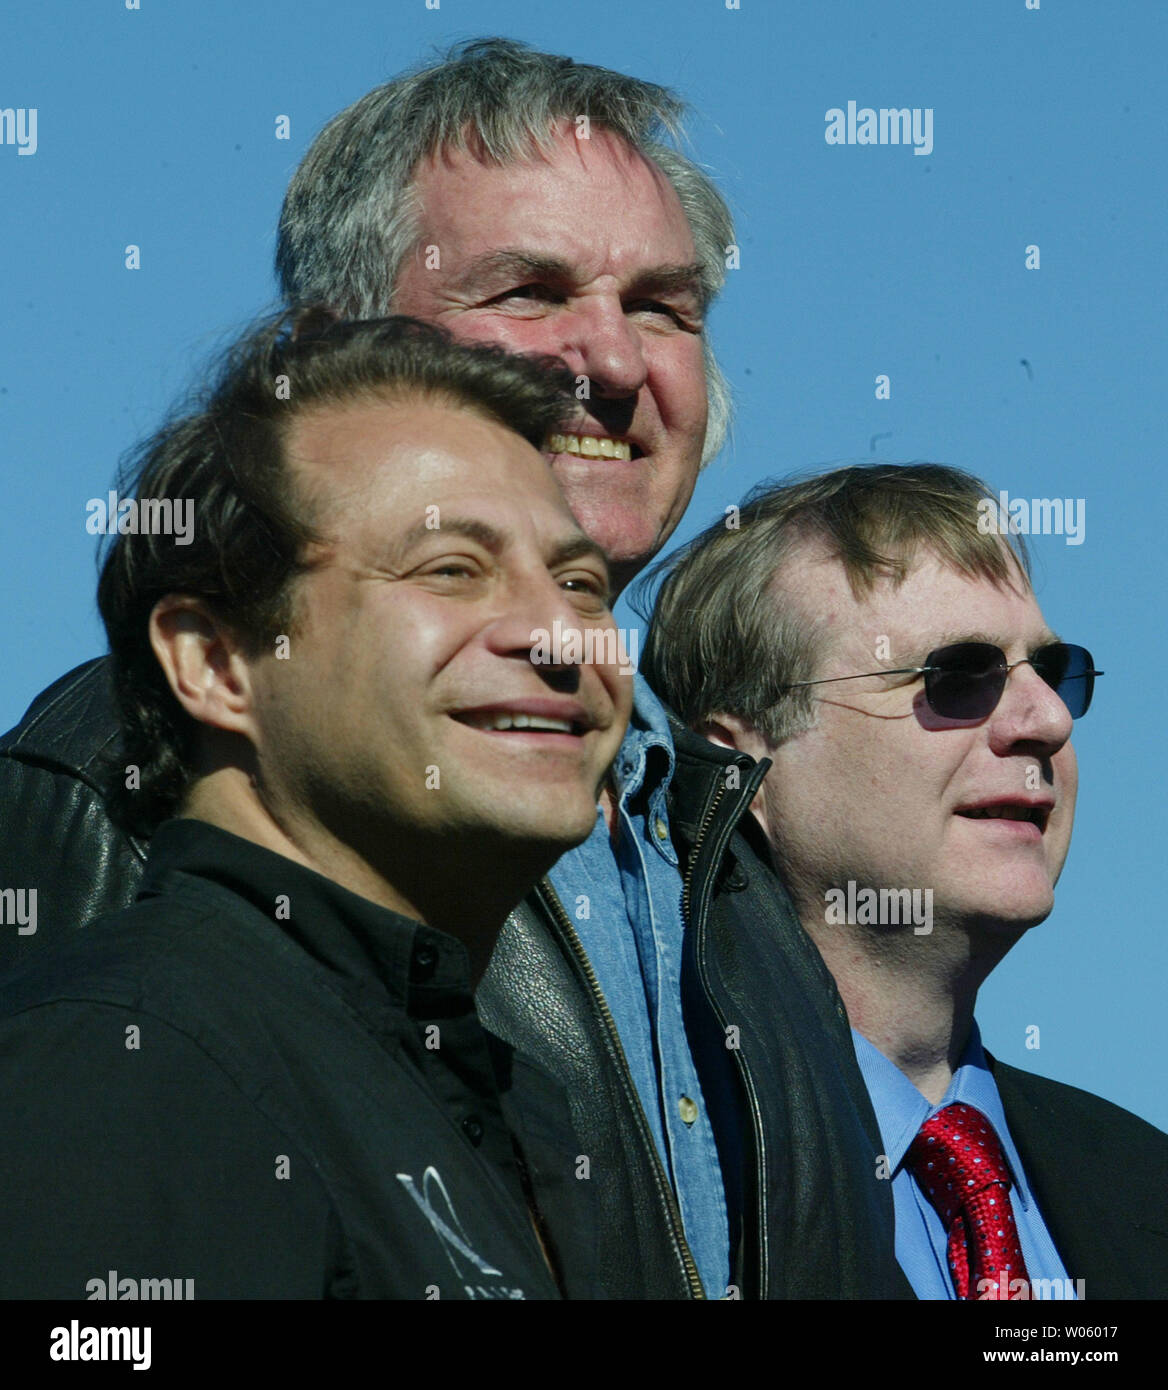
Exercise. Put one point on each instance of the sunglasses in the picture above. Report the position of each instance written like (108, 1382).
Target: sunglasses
(966, 680)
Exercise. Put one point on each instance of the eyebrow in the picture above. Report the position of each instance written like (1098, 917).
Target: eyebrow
(575, 547)
(955, 635)
(671, 279)
(521, 266)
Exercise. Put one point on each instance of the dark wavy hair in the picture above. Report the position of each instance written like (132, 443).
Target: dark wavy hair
(223, 461)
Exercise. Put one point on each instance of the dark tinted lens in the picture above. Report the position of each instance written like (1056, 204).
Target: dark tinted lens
(968, 681)
(1069, 671)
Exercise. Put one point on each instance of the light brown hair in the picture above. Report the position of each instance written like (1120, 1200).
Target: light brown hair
(722, 639)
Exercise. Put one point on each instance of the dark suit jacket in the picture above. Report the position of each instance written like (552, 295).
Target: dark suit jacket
(1100, 1176)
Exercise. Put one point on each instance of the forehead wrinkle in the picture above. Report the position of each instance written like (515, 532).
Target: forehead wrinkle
(605, 153)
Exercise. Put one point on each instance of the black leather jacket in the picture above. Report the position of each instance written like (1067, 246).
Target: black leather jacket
(798, 1140)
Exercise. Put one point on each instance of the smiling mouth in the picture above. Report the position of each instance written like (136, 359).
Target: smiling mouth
(1035, 815)
(591, 446)
(521, 723)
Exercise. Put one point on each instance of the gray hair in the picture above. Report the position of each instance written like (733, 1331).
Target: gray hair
(726, 639)
(350, 216)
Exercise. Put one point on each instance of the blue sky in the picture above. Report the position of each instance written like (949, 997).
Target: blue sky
(157, 127)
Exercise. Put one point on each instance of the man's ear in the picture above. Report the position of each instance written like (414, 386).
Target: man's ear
(204, 663)
(729, 731)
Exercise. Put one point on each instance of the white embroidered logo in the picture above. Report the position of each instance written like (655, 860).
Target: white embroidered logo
(451, 1240)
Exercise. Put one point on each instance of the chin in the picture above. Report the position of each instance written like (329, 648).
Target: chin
(1010, 912)
(558, 830)
(1022, 914)
(1034, 906)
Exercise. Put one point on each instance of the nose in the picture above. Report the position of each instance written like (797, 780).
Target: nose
(1029, 714)
(538, 622)
(602, 344)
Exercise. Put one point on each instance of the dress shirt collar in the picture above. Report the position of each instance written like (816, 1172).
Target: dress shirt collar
(637, 767)
(901, 1109)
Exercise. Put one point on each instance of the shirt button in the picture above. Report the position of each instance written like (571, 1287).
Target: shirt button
(661, 829)
(425, 959)
(687, 1110)
(472, 1127)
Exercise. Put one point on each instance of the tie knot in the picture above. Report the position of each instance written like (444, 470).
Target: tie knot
(956, 1155)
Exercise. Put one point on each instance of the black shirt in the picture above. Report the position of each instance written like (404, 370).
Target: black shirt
(259, 1082)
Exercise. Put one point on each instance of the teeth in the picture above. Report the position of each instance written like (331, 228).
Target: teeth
(518, 721)
(589, 446)
(1030, 813)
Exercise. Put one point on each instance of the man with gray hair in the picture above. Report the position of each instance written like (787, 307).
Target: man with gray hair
(868, 636)
(468, 193)
(520, 198)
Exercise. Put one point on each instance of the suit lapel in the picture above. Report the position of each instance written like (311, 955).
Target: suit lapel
(1076, 1192)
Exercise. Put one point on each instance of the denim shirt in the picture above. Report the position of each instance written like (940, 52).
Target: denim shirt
(624, 900)
(921, 1239)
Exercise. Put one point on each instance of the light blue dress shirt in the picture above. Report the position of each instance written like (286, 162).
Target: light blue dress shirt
(921, 1239)
(624, 900)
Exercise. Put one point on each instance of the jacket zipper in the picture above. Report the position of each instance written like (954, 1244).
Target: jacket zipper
(569, 933)
(743, 1069)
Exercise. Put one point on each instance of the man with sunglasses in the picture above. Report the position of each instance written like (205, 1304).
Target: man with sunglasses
(890, 659)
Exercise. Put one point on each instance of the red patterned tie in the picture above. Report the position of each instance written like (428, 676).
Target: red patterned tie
(959, 1165)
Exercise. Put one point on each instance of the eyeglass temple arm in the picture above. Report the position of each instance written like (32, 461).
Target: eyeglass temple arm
(900, 671)
(916, 671)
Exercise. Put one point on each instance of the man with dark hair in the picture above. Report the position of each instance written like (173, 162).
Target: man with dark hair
(874, 634)
(521, 198)
(266, 1078)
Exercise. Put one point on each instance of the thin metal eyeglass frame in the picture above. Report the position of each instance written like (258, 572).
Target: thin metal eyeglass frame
(1006, 666)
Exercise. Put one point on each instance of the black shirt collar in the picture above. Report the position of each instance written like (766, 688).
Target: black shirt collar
(416, 964)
